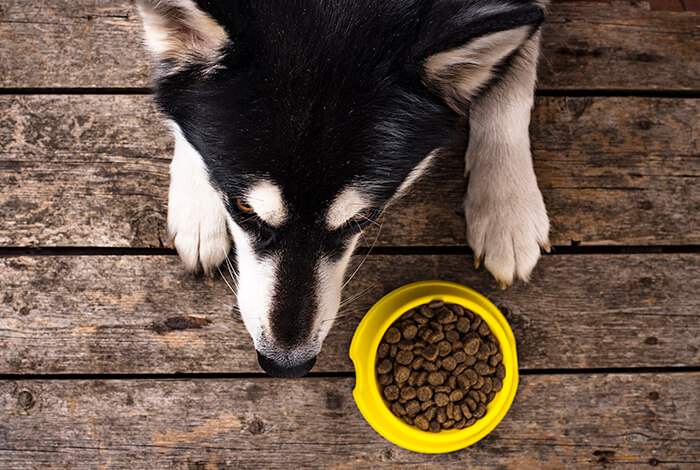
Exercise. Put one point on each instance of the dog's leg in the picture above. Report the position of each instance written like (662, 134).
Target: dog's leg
(506, 218)
(197, 221)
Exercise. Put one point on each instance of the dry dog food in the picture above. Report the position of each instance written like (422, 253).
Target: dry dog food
(438, 366)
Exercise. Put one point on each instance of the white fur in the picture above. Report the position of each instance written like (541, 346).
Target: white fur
(505, 213)
(266, 200)
(349, 202)
(256, 282)
(416, 173)
(196, 212)
(180, 32)
(329, 278)
(474, 61)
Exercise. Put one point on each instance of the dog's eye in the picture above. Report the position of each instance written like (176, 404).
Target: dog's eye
(242, 206)
(363, 215)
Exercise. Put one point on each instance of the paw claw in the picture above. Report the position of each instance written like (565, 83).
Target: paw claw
(502, 285)
(477, 261)
(547, 248)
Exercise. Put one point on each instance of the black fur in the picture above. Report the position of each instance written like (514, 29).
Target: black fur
(316, 94)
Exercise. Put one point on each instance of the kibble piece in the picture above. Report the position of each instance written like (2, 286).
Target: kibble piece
(495, 359)
(398, 409)
(483, 329)
(421, 422)
(385, 379)
(463, 382)
(479, 383)
(417, 363)
(488, 385)
(449, 363)
(408, 393)
(476, 322)
(472, 376)
(393, 349)
(446, 316)
(392, 335)
(436, 337)
(383, 350)
(483, 368)
(500, 371)
(442, 389)
(409, 331)
(391, 392)
(457, 413)
(384, 366)
(407, 419)
(438, 362)
(493, 348)
(497, 384)
(452, 336)
(441, 399)
(461, 424)
(456, 395)
(470, 422)
(466, 411)
(413, 378)
(448, 424)
(422, 379)
(401, 374)
(471, 402)
(483, 352)
(412, 408)
(452, 382)
(459, 369)
(434, 426)
(441, 415)
(448, 327)
(404, 357)
(430, 413)
(420, 319)
(463, 325)
(429, 366)
(449, 409)
(471, 347)
(436, 378)
(436, 304)
(470, 361)
(480, 411)
(490, 397)
(424, 393)
(405, 344)
(457, 346)
(430, 352)
(427, 404)
(426, 311)
(482, 396)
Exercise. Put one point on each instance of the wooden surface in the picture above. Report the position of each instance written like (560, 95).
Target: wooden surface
(93, 314)
(589, 45)
(613, 171)
(96, 370)
(629, 420)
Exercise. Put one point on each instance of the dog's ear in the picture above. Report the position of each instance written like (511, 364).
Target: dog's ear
(180, 35)
(462, 44)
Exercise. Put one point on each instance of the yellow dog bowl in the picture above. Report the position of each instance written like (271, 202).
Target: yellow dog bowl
(363, 352)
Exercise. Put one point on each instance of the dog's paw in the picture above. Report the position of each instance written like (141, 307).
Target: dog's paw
(197, 225)
(506, 228)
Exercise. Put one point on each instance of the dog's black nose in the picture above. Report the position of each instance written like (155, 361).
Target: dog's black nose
(277, 370)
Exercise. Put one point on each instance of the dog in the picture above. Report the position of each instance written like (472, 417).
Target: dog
(297, 122)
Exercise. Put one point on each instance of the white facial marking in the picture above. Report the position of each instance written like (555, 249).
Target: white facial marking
(255, 284)
(329, 283)
(266, 200)
(196, 214)
(348, 203)
(418, 171)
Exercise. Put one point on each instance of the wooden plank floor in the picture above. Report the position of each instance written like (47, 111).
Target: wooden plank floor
(608, 330)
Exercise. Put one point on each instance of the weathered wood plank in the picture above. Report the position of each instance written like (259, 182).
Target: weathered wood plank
(93, 171)
(563, 421)
(599, 45)
(96, 314)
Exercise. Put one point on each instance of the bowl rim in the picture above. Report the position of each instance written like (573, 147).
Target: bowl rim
(363, 355)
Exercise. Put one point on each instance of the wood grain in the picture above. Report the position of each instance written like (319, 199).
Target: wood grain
(102, 314)
(589, 45)
(93, 171)
(563, 421)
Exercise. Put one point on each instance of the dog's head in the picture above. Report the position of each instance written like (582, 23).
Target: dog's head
(310, 117)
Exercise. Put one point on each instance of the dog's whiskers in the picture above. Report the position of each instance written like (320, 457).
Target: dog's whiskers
(365, 258)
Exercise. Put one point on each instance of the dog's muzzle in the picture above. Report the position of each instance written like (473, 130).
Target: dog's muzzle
(277, 370)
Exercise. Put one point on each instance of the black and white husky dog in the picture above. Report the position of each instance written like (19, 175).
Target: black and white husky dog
(297, 121)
